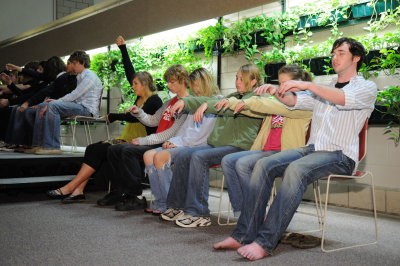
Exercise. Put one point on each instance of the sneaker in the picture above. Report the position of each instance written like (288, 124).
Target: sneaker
(131, 203)
(31, 150)
(10, 147)
(171, 215)
(193, 221)
(110, 199)
(48, 151)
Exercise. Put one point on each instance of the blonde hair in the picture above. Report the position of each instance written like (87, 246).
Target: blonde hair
(250, 72)
(206, 82)
(177, 72)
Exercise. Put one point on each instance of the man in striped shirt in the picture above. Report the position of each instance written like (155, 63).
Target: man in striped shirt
(339, 112)
(83, 100)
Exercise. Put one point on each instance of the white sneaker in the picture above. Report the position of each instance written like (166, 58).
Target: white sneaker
(193, 221)
(171, 215)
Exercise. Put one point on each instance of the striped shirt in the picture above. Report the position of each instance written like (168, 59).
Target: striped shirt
(336, 127)
(87, 92)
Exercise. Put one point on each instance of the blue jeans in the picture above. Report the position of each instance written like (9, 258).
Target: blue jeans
(46, 131)
(237, 169)
(160, 180)
(299, 167)
(193, 165)
(21, 126)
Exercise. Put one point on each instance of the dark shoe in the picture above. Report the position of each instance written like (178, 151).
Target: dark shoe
(307, 242)
(132, 203)
(110, 199)
(56, 194)
(74, 199)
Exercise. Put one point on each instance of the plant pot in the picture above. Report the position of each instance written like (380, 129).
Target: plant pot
(379, 118)
(363, 10)
(271, 70)
(308, 21)
(318, 65)
(259, 39)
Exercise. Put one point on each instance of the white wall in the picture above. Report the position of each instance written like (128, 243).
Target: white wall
(18, 16)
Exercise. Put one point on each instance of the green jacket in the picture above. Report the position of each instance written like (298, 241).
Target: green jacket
(229, 130)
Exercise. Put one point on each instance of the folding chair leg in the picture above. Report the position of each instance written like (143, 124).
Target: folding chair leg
(221, 194)
(326, 213)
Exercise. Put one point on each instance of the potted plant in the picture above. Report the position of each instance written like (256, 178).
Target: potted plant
(390, 99)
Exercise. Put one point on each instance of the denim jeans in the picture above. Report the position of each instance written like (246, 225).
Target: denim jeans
(160, 180)
(299, 167)
(237, 169)
(21, 126)
(47, 129)
(196, 202)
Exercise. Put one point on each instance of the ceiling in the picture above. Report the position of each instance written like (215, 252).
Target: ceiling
(97, 26)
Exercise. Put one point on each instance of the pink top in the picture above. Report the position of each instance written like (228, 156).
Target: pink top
(273, 142)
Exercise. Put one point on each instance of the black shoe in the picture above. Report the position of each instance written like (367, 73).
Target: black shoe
(74, 199)
(132, 203)
(56, 194)
(110, 199)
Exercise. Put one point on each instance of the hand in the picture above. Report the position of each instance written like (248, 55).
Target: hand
(6, 79)
(198, 115)
(178, 107)
(35, 106)
(13, 67)
(106, 118)
(4, 103)
(266, 88)
(120, 41)
(23, 107)
(133, 110)
(48, 100)
(239, 107)
(224, 103)
(135, 142)
(168, 145)
(293, 85)
(42, 111)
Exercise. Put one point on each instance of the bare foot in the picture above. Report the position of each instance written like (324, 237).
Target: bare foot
(228, 243)
(252, 251)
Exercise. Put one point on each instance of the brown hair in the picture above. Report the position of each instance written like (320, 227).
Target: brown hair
(355, 48)
(296, 72)
(177, 72)
(250, 72)
(206, 81)
(146, 79)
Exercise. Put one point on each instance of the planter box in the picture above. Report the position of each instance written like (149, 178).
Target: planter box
(311, 21)
(318, 65)
(363, 10)
(378, 118)
(271, 70)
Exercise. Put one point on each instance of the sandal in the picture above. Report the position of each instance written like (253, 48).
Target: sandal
(290, 238)
(307, 242)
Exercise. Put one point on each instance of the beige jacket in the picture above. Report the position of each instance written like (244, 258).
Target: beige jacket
(295, 125)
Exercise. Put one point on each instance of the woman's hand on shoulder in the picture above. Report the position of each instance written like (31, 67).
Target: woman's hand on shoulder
(178, 107)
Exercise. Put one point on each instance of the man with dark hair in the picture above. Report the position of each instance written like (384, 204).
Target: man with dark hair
(339, 113)
(83, 100)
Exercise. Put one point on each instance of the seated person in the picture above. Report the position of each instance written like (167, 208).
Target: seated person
(158, 161)
(282, 129)
(339, 113)
(187, 199)
(84, 100)
(125, 159)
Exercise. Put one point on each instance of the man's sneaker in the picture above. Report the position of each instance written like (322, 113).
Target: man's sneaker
(43, 151)
(9, 147)
(110, 199)
(132, 203)
(171, 215)
(193, 221)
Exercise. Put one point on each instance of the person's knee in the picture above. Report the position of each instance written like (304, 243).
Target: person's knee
(228, 161)
(161, 158)
(148, 157)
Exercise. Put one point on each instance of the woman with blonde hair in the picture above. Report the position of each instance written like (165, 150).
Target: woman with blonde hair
(188, 193)
(191, 134)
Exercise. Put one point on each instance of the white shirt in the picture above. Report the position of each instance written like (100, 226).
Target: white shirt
(336, 127)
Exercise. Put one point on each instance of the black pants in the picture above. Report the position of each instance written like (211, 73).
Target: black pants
(96, 157)
(126, 163)
(4, 118)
